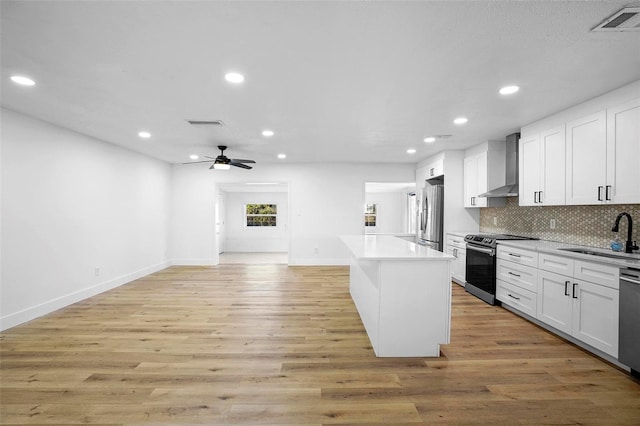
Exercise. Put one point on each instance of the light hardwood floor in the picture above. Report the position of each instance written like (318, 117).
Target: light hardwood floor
(271, 344)
(254, 258)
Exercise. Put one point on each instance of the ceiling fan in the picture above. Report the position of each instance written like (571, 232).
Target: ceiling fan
(222, 162)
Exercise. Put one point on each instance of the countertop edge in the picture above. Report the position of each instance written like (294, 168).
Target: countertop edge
(390, 248)
(552, 247)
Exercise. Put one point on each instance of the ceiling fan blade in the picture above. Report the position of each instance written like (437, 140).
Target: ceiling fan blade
(196, 162)
(242, 166)
(236, 160)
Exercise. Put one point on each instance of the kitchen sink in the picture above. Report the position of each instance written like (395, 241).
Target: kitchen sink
(596, 253)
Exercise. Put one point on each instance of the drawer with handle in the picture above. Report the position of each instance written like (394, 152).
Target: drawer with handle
(519, 298)
(518, 255)
(558, 264)
(522, 276)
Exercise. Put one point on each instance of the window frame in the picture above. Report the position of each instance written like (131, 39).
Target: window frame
(248, 215)
(370, 214)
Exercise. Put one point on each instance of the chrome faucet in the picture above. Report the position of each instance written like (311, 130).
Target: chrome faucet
(630, 245)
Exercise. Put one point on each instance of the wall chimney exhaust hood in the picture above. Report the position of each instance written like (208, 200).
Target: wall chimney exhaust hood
(510, 189)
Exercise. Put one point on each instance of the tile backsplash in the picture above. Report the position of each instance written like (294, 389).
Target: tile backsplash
(582, 225)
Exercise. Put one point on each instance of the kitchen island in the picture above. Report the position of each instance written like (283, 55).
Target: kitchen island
(402, 292)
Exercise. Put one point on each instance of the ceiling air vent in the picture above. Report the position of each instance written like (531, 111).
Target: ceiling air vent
(627, 19)
(206, 123)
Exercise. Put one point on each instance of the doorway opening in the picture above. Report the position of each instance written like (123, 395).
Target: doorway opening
(390, 208)
(252, 223)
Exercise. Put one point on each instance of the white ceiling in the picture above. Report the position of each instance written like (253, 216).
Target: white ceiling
(347, 81)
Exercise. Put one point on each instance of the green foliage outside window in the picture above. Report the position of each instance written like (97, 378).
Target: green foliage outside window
(261, 214)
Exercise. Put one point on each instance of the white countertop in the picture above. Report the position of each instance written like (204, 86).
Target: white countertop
(552, 247)
(386, 247)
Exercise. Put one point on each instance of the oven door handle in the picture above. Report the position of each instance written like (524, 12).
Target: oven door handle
(481, 249)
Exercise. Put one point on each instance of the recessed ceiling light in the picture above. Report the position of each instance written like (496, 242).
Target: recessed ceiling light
(267, 133)
(460, 120)
(144, 135)
(430, 139)
(22, 80)
(282, 156)
(509, 90)
(234, 77)
(411, 151)
(194, 157)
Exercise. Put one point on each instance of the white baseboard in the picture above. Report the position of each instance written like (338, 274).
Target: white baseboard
(47, 307)
(192, 262)
(318, 262)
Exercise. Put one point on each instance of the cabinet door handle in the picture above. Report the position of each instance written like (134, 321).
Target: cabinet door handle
(514, 255)
(540, 197)
(473, 201)
(535, 199)
(566, 288)
(455, 253)
(600, 193)
(607, 193)
(574, 290)
(515, 275)
(512, 296)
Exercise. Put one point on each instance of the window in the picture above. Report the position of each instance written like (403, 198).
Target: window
(261, 214)
(370, 215)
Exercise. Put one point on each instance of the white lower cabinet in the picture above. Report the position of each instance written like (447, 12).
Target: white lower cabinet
(576, 297)
(457, 248)
(521, 299)
(516, 280)
(595, 316)
(585, 310)
(555, 304)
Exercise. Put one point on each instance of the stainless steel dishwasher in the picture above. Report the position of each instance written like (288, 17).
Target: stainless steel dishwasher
(629, 331)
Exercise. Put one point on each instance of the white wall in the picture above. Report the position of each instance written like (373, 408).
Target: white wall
(242, 238)
(71, 204)
(391, 212)
(326, 201)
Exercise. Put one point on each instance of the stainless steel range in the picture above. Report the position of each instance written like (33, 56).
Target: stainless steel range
(481, 264)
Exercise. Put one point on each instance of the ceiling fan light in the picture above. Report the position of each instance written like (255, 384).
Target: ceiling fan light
(221, 166)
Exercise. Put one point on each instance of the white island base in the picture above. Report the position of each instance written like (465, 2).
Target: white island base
(403, 294)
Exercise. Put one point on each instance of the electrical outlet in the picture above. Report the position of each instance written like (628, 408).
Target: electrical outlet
(552, 224)
(97, 271)
(315, 250)
(495, 220)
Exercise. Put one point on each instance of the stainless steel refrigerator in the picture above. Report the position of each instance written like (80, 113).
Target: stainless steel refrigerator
(430, 217)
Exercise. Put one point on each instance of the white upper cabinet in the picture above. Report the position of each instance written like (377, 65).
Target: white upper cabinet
(586, 159)
(472, 187)
(587, 154)
(483, 171)
(529, 169)
(623, 153)
(542, 168)
(553, 167)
